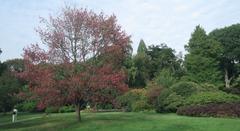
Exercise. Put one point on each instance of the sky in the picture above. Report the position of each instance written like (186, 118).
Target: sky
(154, 21)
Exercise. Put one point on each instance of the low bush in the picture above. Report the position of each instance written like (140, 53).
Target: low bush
(233, 90)
(173, 102)
(128, 99)
(185, 89)
(105, 106)
(28, 106)
(153, 91)
(213, 110)
(236, 82)
(51, 110)
(160, 105)
(140, 105)
(65, 109)
(209, 87)
(203, 98)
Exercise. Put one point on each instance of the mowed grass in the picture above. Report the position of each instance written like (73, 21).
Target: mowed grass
(117, 121)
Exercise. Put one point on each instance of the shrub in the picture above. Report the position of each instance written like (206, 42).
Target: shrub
(28, 106)
(202, 98)
(153, 91)
(51, 110)
(236, 82)
(214, 110)
(140, 105)
(232, 90)
(165, 78)
(185, 89)
(131, 97)
(173, 102)
(65, 109)
(160, 106)
(209, 87)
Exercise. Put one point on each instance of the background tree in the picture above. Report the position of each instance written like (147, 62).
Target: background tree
(202, 60)
(142, 47)
(10, 85)
(1, 65)
(90, 49)
(162, 57)
(139, 72)
(229, 37)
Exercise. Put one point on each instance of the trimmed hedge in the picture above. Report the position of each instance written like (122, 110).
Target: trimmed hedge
(214, 110)
(203, 98)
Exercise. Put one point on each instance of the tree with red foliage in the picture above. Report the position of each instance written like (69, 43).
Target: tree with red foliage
(83, 60)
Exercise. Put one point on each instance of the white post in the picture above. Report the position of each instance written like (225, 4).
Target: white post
(14, 115)
(13, 118)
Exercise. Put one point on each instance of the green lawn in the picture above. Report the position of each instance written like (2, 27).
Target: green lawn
(117, 121)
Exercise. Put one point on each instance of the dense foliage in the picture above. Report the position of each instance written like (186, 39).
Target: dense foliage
(201, 62)
(202, 98)
(214, 110)
(134, 100)
(10, 85)
(185, 89)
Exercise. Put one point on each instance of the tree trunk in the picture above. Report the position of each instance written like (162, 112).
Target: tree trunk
(227, 79)
(78, 112)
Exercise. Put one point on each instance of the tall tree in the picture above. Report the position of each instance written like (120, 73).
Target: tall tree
(163, 57)
(10, 85)
(85, 50)
(229, 37)
(139, 72)
(142, 47)
(201, 62)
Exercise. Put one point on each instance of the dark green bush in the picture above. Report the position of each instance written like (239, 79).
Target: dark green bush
(160, 106)
(51, 110)
(232, 90)
(185, 89)
(65, 109)
(236, 82)
(202, 98)
(173, 102)
(105, 106)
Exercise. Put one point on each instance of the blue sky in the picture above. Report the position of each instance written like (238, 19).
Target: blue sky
(155, 21)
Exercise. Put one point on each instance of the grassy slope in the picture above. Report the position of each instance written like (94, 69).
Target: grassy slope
(119, 121)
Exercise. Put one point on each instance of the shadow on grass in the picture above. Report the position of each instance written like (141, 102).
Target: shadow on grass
(63, 121)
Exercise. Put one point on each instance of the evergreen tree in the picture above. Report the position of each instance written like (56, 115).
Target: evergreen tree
(142, 47)
(202, 63)
(139, 72)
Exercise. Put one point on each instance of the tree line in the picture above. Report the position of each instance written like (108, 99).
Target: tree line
(89, 61)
